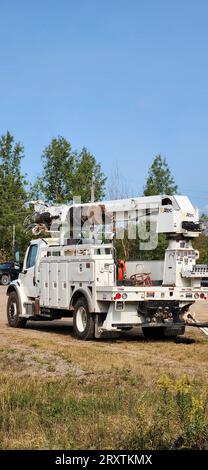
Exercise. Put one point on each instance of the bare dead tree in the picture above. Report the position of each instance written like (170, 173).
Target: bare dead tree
(117, 187)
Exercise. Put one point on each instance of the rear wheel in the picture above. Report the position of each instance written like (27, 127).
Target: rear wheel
(13, 312)
(5, 279)
(83, 321)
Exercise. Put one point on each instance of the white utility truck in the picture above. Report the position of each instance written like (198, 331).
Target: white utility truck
(69, 275)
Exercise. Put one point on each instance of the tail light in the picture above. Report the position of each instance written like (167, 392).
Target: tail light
(117, 296)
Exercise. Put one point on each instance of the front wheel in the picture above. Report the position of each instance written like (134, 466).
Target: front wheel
(5, 279)
(83, 321)
(13, 312)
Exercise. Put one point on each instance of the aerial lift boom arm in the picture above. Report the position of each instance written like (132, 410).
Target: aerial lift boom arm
(173, 215)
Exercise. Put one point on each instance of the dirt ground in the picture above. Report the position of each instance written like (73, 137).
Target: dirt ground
(50, 349)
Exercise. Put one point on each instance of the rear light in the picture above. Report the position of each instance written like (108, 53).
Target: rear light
(124, 296)
(196, 296)
(117, 296)
(203, 296)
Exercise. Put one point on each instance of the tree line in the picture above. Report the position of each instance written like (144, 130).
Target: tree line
(67, 173)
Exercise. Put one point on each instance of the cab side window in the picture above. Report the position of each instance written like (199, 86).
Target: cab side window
(31, 256)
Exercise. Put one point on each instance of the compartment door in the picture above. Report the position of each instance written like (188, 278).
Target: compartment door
(63, 289)
(44, 284)
(53, 283)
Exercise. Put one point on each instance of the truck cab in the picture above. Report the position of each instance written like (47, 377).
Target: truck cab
(29, 275)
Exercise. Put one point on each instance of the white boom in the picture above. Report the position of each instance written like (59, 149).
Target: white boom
(172, 215)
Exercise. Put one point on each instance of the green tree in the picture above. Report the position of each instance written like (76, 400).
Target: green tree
(67, 174)
(159, 179)
(128, 249)
(12, 194)
(201, 244)
(58, 169)
(86, 168)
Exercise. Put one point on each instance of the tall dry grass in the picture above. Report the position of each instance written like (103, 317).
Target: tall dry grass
(118, 413)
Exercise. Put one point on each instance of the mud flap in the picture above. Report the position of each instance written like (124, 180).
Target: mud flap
(99, 333)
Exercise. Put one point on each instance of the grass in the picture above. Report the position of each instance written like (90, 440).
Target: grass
(125, 394)
(116, 412)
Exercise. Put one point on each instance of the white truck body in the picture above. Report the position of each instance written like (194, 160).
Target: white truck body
(79, 280)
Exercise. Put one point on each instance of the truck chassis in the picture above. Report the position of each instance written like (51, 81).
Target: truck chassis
(80, 282)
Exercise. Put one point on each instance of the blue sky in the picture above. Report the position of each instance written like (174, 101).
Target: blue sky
(126, 78)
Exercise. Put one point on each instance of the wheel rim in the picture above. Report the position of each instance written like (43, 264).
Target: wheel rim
(12, 311)
(81, 319)
(5, 280)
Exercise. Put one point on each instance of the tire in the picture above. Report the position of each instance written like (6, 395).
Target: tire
(13, 312)
(83, 321)
(156, 332)
(5, 279)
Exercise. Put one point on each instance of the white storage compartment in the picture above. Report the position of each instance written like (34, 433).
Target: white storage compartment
(63, 287)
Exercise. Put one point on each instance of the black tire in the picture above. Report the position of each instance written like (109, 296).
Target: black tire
(83, 321)
(5, 279)
(156, 332)
(13, 311)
